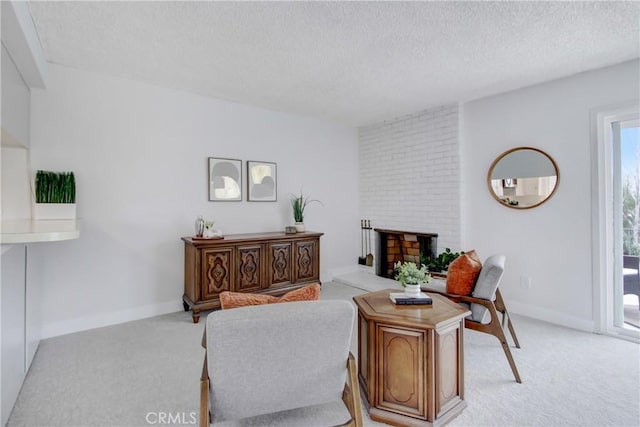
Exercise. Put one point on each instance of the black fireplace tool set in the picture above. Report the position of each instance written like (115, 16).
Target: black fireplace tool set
(365, 243)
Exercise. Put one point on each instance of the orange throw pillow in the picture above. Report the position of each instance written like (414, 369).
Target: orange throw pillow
(463, 272)
(308, 293)
(237, 299)
(240, 299)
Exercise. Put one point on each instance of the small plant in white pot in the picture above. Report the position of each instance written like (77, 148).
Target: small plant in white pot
(411, 277)
(299, 203)
(55, 195)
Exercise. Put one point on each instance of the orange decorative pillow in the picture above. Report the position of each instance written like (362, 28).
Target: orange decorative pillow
(463, 272)
(240, 299)
(308, 293)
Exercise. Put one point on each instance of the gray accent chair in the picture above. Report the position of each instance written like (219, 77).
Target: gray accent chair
(631, 285)
(284, 364)
(485, 302)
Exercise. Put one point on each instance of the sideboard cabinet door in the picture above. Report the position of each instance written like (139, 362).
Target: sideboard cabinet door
(307, 261)
(217, 271)
(281, 266)
(250, 268)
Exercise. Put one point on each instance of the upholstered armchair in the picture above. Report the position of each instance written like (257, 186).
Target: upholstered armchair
(283, 364)
(485, 303)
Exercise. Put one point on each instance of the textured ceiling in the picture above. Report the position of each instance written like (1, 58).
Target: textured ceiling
(352, 62)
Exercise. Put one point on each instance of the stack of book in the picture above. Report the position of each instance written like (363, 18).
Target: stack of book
(400, 298)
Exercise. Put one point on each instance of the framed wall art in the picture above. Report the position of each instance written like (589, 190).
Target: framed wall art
(262, 181)
(225, 180)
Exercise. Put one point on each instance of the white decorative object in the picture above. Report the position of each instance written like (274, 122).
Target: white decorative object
(54, 211)
(412, 290)
(209, 231)
(300, 227)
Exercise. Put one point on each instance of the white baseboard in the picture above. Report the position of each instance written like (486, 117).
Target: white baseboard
(550, 316)
(108, 319)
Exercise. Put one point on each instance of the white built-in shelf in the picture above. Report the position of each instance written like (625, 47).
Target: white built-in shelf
(34, 231)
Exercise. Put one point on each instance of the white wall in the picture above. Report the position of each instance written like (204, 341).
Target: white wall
(16, 200)
(16, 330)
(551, 243)
(410, 174)
(139, 153)
(15, 104)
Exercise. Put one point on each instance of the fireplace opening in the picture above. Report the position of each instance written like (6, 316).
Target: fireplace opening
(396, 245)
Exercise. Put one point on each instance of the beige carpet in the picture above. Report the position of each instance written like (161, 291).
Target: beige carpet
(129, 374)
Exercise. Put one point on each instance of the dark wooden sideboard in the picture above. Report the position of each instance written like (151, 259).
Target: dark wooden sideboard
(265, 263)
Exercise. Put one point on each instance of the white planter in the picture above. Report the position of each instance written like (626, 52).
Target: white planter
(412, 291)
(300, 227)
(54, 211)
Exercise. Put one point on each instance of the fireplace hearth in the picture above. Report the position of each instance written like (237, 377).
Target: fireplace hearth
(396, 245)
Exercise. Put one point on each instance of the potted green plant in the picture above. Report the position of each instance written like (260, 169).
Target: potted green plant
(55, 195)
(411, 277)
(299, 203)
(440, 262)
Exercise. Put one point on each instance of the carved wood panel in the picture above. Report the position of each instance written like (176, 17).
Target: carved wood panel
(217, 271)
(401, 370)
(363, 355)
(306, 256)
(448, 390)
(281, 266)
(250, 275)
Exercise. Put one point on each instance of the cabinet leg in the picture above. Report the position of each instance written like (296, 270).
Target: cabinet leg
(185, 305)
(196, 317)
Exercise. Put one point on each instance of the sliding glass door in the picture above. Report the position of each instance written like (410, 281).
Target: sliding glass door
(626, 223)
(616, 220)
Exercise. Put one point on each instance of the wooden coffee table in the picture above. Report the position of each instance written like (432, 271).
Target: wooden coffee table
(410, 359)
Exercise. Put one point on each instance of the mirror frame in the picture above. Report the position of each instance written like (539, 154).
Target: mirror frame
(506, 153)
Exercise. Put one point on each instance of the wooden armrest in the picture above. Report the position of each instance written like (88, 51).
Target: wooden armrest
(460, 298)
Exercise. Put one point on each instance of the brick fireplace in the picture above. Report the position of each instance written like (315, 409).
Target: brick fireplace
(396, 245)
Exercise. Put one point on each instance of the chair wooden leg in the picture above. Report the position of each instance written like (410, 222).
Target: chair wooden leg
(498, 332)
(513, 333)
(495, 327)
(351, 394)
(204, 394)
(512, 363)
(502, 308)
(204, 403)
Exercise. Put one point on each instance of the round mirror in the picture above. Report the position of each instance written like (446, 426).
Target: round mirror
(523, 178)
